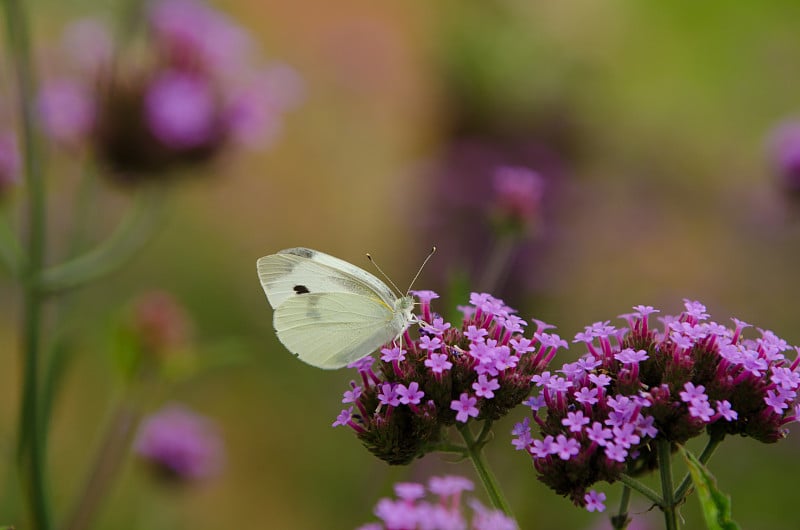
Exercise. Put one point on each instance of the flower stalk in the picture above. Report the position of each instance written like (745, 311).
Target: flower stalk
(489, 481)
(32, 444)
(665, 470)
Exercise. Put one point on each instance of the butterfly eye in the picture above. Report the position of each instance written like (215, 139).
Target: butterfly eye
(301, 289)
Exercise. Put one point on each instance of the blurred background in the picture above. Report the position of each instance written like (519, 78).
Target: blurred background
(664, 166)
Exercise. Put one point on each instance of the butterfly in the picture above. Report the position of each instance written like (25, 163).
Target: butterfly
(328, 312)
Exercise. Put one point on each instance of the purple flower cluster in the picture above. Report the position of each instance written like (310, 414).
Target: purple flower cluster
(412, 512)
(517, 204)
(637, 384)
(196, 94)
(479, 369)
(180, 444)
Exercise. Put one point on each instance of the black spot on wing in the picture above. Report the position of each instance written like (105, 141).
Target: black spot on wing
(301, 289)
(300, 251)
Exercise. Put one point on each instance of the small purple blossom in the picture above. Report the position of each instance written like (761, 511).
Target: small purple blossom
(485, 387)
(594, 501)
(465, 407)
(180, 442)
(438, 363)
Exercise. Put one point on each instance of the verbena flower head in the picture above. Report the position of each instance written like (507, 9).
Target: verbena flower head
(10, 163)
(518, 193)
(599, 416)
(451, 374)
(180, 444)
(785, 153)
(441, 507)
(193, 91)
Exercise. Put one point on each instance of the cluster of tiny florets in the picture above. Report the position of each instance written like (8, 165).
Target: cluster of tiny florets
(411, 511)
(449, 375)
(598, 416)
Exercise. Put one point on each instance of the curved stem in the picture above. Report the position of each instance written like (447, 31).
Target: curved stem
(132, 234)
(106, 465)
(487, 477)
(31, 450)
(705, 456)
(665, 469)
(637, 486)
(495, 272)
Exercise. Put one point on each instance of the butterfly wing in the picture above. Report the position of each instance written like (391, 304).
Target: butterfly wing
(301, 270)
(332, 330)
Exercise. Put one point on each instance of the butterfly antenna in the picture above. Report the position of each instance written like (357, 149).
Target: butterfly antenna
(369, 257)
(430, 255)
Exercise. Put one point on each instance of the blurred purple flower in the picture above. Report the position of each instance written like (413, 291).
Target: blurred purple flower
(411, 511)
(785, 153)
(88, 42)
(518, 193)
(67, 111)
(180, 110)
(473, 189)
(180, 443)
(194, 36)
(10, 163)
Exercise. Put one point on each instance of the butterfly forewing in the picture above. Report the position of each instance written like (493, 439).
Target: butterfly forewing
(301, 270)
(331, 330)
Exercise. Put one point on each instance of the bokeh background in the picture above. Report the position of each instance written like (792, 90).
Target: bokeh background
(650, 123)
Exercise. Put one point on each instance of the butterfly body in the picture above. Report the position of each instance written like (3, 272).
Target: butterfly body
(329, 312)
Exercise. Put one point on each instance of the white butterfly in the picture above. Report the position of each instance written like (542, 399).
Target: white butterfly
(328, 312)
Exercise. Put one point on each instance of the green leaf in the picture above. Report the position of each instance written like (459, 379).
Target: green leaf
(716, 505)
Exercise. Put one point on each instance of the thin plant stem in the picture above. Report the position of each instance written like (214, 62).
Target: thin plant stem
(496, 270)
(106, 465)
(475, 453)
(10, 250)
(705, 456)
(637, 486)
(665, 470)
(32, 444)
(620, 521)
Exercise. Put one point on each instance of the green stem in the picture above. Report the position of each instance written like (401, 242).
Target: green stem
(495, 272)
(620, 521)
(705, 456)
(133, 233)
(637, 486)
(665, 468)
(10, 250)
(487, 477)
(31, 450)
(106, 465)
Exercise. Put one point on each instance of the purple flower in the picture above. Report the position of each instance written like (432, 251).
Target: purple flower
(194, 36)
(180, 110)
(594, 501)
(485, 387)
(639, 384)
(67, 111)
(412, 511)
(465, 407)
(452, 373)
(183, 444)
(518, 196)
